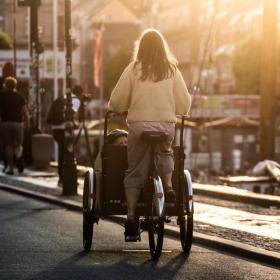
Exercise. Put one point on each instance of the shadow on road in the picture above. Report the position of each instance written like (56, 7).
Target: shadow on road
(115, 265)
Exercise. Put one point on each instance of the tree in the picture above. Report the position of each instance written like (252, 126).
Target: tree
(114, 67)
(246, 65)
(5, 41)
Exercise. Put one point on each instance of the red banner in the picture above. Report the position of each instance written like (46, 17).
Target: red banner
(98, 59)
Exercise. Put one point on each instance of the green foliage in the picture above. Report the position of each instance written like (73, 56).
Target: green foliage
(246, 65)
(114, 67)
(5, 41)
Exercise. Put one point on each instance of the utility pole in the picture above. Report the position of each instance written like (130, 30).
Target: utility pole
(195, 6)
(34, 98)
(69, 166)
(55, 82)
(14, 37)
(268, 81)
(34, 54)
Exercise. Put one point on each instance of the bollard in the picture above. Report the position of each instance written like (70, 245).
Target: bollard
(42, 150)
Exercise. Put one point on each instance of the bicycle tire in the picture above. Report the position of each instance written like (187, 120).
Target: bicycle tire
(87, 232)
(87, 216)
(186, 232)
(186, 225)
(155, 233)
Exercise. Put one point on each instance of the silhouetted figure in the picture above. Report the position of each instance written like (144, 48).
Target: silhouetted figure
(13, 113)
(56, 118)
(153, 91)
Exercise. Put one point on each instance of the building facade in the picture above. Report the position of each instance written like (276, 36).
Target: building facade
(119, 27)
(45, 23)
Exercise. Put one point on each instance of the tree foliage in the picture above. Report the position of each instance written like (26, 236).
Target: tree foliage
(246, 65)
(5, 41)
(114, 67)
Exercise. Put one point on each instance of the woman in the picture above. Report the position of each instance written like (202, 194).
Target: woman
(153, 92)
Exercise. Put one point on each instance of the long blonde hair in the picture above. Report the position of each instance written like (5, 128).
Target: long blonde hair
(153, 56)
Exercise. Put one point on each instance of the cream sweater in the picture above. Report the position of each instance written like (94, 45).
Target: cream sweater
(150, 101)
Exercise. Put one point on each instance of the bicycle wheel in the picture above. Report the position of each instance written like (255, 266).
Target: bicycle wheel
(88, 207)
(155, 232)
(186, 221)
(186, 232)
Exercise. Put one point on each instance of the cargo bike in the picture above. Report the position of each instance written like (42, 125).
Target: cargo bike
(152, 210)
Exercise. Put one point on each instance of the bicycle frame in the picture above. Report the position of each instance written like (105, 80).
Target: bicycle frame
(153, 212)
(184, 192)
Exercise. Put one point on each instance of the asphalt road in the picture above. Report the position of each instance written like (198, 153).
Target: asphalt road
(42, 241)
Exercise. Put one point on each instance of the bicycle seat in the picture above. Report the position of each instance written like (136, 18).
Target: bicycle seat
(154, 137)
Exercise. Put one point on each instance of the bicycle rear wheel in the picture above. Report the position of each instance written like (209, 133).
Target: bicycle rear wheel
(88, 208)
(155, 232)
(186, 232)
(186, 221)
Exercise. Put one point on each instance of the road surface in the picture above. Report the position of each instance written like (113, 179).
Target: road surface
(43, 241)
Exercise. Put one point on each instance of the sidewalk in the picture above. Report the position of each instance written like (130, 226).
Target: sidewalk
(235, 225)
(236, 194)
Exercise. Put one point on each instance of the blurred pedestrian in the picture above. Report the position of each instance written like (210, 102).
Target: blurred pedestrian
(56, 118)
(8, 70)
(14, 114)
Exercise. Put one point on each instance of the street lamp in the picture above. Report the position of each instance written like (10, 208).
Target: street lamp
(69, 166)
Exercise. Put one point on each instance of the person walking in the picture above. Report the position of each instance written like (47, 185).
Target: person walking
(14, 114)
(56, 118)
(153, 91)
(7, 71)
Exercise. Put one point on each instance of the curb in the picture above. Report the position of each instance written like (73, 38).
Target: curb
(263, 200)
(201, 189)
(213, 242)
(69, 204)
(238, 248)
(255, 199)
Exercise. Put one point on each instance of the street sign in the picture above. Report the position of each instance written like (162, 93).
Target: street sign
(46, 64)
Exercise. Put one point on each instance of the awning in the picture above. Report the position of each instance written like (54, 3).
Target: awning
(232, 122)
